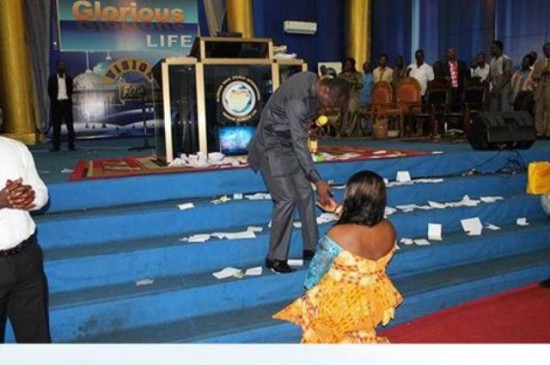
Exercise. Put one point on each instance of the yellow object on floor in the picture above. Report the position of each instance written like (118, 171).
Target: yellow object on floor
(538, 178)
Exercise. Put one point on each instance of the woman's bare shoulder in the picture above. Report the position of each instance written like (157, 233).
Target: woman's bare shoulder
(369, 242)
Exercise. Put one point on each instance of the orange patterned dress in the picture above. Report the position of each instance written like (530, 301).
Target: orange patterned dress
(348, 303)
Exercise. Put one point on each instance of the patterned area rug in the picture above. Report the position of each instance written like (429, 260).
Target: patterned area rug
(133, 166)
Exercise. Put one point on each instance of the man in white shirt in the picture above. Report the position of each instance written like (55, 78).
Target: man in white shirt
(23, 285)
(500, 75)
(421, 71)
(383, 72)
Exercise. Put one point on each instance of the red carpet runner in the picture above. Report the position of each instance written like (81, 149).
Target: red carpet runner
(518, 316)
(133, 166)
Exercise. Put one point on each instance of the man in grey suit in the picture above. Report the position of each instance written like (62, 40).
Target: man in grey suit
(279, 150)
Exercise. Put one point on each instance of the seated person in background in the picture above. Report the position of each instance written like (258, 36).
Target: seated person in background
(348, 292)
(331, 72)
(383, 72)
(482, 67)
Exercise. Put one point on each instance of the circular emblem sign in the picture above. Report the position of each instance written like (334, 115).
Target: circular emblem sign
(238, 97)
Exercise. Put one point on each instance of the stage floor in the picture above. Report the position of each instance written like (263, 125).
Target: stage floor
(55, 167)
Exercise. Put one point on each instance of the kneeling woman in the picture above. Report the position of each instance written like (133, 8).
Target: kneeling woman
(348, 292)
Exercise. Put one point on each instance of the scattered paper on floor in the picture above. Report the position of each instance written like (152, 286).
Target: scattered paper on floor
(326, 217)
(254, 271)
(295, 262)
(226, 273)
(490, 199)
(203, 237)
(258, 196)
(437, 205)
(472, 226)
(406, 241)
(234, 235)
(389, 210)
(255, 229)
(434, 231)
(492, 227)
(522, 222)
(421, 242)
(185, 206)
(143, 282)
(403, 176)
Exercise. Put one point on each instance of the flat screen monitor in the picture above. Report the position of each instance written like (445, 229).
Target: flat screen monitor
(234, 139)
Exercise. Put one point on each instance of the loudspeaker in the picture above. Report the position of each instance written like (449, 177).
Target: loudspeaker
(502, 130)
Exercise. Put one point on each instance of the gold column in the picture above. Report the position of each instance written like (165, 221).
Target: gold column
(239, 17)
(358, 32)
(16, 94)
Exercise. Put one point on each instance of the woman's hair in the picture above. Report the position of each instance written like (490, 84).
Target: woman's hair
(351, 61)
(364, 200)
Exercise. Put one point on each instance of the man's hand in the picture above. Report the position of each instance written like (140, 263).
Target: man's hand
(16, 195)
(331, 207)
(324, 191)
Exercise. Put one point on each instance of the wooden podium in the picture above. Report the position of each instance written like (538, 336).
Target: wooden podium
(223, 83)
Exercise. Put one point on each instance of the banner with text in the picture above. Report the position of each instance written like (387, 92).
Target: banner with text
(123, 25)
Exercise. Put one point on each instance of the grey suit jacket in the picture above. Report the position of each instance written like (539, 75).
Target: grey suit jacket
(281, 136)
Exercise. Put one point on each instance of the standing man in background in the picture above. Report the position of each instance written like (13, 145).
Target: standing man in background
(279, 150)
(541, 76)
(456, 72)
(23, 285)
(500, 73)
(60, 91)
(366, 91)
(421, 71)
(399, 71)
(383, 72)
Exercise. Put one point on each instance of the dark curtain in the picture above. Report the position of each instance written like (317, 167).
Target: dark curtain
(391, 29)
(328, 44)
(523, 26)
(38, 28)
(466, 25)
(428, 35)
(203, 23)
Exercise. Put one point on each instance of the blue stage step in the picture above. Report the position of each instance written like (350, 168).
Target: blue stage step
(118, 262)
(76, 228)
(187, 296)
(424, 293)
(143, 189)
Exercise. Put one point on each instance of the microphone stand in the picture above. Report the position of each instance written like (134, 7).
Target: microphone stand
(146, 145)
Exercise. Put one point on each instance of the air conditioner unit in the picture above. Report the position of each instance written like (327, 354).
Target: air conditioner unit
(296, 27)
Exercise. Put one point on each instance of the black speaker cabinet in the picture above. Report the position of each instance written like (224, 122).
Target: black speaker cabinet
(502, 130)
